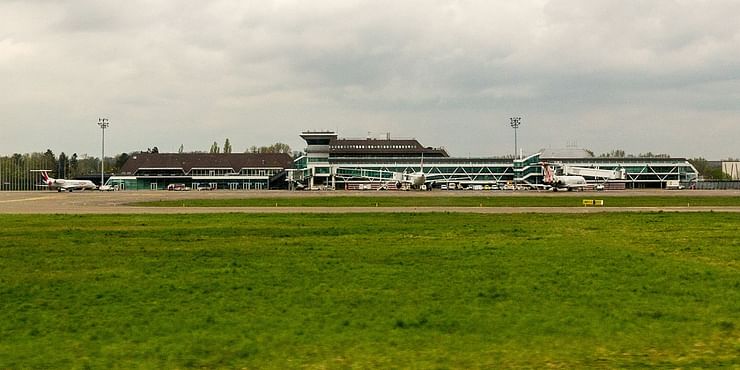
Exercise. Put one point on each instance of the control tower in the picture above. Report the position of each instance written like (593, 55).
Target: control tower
(317, 156)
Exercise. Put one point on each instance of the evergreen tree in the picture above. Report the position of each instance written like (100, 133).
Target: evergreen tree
(50, 160)
(120, 161)
(227, 146)
(182, 149)
(214, 148)
(62, 165)
(73, 165)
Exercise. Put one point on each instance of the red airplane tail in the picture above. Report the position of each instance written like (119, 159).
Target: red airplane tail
(548, 175)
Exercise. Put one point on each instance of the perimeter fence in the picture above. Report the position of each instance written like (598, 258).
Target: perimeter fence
(18, 172)
(718, 185)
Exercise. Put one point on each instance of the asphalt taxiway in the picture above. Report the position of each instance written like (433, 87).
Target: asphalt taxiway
(119, 202)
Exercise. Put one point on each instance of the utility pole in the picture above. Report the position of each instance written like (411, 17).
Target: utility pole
(103, 123)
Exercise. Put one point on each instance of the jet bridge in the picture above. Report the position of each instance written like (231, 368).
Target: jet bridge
(594, 172)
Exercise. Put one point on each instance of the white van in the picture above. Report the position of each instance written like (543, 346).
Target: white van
(673, 185)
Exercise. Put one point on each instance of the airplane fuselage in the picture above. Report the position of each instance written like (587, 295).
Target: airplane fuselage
(67, 185)
(417, 179)
(568, 182)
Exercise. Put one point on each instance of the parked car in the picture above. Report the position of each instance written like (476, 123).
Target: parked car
(177, 187)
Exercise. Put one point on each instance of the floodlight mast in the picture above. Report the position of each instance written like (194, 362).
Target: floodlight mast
(515, 122)
(103, 123)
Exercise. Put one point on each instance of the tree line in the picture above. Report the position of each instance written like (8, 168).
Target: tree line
(619, 153)
(227, 148)
(19, 171)
(215, 148)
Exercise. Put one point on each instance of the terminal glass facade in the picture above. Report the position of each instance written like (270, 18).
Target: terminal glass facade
(322, 169)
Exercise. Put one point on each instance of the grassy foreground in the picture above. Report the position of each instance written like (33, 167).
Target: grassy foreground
(456, 201)
(376, 290)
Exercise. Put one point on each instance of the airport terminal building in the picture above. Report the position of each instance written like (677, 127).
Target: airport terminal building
(333, 163)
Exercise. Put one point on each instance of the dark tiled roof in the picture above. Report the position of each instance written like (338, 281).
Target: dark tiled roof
(187, 161)
(340, 147)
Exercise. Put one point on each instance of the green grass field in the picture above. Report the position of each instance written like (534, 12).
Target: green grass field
(370, 290)
(455, 201)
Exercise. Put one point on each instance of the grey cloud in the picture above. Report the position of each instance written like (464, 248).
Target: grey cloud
(236, 67)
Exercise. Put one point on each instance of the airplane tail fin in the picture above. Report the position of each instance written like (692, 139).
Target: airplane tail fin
(45, 176)
(47, 179)
(548, 175)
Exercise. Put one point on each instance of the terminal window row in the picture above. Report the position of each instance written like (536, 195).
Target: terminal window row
(396, 146)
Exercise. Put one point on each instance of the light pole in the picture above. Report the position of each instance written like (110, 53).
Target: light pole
(103, 123)
(515, 122)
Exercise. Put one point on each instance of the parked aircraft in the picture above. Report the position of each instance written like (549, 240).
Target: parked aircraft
(418, 180)
(569, 183)
(64, 184)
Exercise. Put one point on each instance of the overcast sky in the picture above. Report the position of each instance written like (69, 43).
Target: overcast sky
(658, 75)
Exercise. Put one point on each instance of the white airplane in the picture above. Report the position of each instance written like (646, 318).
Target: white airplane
(417, 179)
(64, 184)
(569, 183)
(401, 180)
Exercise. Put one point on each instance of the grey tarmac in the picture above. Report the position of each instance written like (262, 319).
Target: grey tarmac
(93, 202)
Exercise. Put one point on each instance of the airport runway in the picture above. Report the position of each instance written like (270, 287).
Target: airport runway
(93, 202)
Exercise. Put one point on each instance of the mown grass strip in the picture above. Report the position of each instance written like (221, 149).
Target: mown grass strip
(456, 201)
(369, 290)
